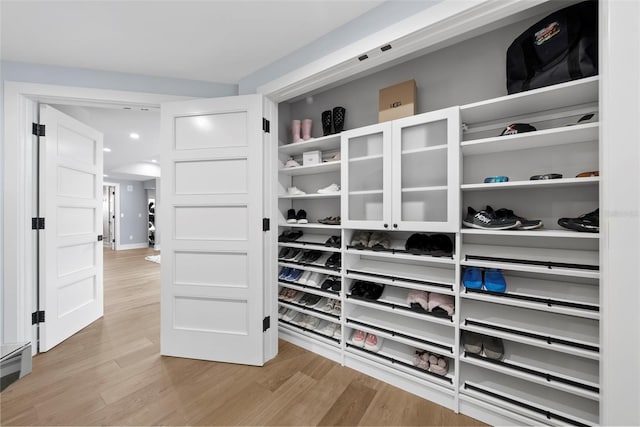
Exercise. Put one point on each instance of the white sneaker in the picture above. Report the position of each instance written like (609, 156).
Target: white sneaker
(315, 279)
(291, 164)
(295, 191)
(333, 188)
(312, 322)
(304, 279)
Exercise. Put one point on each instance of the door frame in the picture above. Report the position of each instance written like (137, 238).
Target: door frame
(116, 223)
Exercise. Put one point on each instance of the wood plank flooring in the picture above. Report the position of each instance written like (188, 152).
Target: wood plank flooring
(111, 373)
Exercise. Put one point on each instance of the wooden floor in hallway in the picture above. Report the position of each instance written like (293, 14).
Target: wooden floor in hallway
(111, 373)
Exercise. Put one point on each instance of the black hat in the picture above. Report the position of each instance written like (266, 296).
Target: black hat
(515, 128)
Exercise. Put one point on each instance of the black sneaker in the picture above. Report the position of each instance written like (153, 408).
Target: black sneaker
(589, 222)
(291, 216)
(301, 217)
(334, 261)
(293, 252)
(441, 245)
(488, 221)
(525, 224)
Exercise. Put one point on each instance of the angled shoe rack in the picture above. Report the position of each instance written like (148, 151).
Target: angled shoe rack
(419, 174)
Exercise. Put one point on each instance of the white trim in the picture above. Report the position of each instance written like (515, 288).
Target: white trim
(156, 248)
(116, 246)
(133, 246)
(18, 246)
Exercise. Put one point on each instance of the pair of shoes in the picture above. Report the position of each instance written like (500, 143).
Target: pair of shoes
(303, 126)
(431, 362)
(311, 278)
(307, 257)
(367, 290)
(589, 222)
(334, 242)
(337, 116)
(492, 347)
(309, 322)
(330, 329)
(300, 217)
(295, 191)
(502, 219)
(493, 280)
(376, 240)
(330, 220)
(289, 236)
(332, 283)
(288, 253)
(369, 341)
(289, 295)
(434, 245)
(508, 214)
(291, 275)
(430, 302)
(334, 261)
(331, 306)
(330, 189)
(310, 300)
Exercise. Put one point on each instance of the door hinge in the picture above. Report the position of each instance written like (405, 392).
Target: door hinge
(266, 125)
(37, 223)
(37, 317)
(38, 129)
(266, 224)
(266, 323)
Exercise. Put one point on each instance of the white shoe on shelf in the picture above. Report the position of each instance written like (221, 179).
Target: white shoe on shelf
(333, 188)
(291, 164)
(295, 191)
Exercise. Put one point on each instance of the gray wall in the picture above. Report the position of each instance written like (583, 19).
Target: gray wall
(133, 212)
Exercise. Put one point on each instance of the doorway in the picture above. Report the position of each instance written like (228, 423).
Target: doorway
(109, 216)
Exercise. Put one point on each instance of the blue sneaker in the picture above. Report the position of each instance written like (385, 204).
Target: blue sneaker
(494, 280)
(284, 273)
(472, 278)
(294, 275)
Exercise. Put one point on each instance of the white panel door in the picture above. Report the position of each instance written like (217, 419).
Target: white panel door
(211, 213)
(71, 289)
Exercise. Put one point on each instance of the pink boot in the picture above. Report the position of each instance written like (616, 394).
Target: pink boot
(295, 130)
(306, 129)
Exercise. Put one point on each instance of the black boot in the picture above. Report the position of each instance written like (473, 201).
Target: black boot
(326, 122)
(338, 119)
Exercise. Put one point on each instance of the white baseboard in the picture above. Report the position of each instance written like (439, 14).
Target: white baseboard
(156, 247)
(133, 246)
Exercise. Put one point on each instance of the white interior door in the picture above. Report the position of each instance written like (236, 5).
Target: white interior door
(71, 289)
(211, 213)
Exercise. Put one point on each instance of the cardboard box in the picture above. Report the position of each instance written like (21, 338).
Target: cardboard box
(397, 101)
(311, 158)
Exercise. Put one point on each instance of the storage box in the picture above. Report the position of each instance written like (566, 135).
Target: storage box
(397, 101)
(311, 158)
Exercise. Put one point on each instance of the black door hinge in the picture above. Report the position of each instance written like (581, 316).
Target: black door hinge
(266, 224)
(37, 317)
(38, 129)
(37, 223)
(266, 323)
(266, 125)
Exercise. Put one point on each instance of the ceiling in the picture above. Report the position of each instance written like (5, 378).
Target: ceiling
(212, 40)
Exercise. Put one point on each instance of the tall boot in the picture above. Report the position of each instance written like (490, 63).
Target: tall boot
(326, 122)
(295, 130)
(306, 129)
(338, 119)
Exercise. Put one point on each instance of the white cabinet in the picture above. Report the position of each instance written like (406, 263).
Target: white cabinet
(404, 174)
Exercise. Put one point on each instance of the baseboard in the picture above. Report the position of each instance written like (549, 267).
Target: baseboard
(156, 247)
(133, 246)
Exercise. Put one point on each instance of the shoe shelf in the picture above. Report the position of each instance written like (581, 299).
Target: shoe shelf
(397, 251)
(307, 245)
(414, 276)
(530, 140)
(560, 371)
(325, 167)
(394, 300)
(400, 356)
(540, 232)
(310, 333)
(578, 336)
(546, 405)
(324, 143)
(560, 96)
(431, 337)
(320, 314)
(316, 225)
(310, 196)
(316, 290)
(542, 183)
(316, 268)
(566, 262)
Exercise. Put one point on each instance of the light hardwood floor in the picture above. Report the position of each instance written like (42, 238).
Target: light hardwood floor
(111, 373)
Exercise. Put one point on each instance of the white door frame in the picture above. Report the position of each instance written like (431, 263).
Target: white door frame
(116, 223)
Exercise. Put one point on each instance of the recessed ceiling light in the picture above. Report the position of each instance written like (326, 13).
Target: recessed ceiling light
(154, 161)
(106, 149)
(134, 135)
(105, 175)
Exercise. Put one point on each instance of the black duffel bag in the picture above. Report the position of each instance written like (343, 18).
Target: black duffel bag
(559, 48)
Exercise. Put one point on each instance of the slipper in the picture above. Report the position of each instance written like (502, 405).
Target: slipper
(379, 241)
(472, 342)
(494, 280)
(333, 242)
(337, 308)
(360, 239)
(419, 299)
(493, 347)
(373, 342)
(418, 244)
(441, 245)
(284, 273)
(421, 359)
(438, 365)
(472, 278)
(358, 337)
(441, 305)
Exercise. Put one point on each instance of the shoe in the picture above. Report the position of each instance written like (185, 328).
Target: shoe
(441, 245)
(284, 273)
(333, 242)
(494, 281)
(339, 114)
(337, 284)
(493, 347)
(291, 164)
(358, 337)
(379, 241)
(306, 129)
(313, 300)
(283, 252)
(499, 178)
(525, 224)
(418, 244)
(373, 342)
(337, 308)
(289, 314)
(298, 319)
(337, 331)
(334, 158)
(472, 278)
(545, 176)
(312, 323)
(331, 189)
(589, 222)
(293, 252)
(360, 239)
(472, 342)
(327, 284)
(294, 275)
(326, 304)
(295, 191)
(438, 365)
(291, 216)
(295, 130)
(334, 261)
(588, 174)
(315, 279)
(330, 220)
(301, 217)
(441, 305)
(421, 359)
(312, 256)
(305, 277)
(326, 123)
(281, 311)
(487, 221)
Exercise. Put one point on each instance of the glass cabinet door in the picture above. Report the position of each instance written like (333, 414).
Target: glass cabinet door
(426, 171)
(366, 177)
